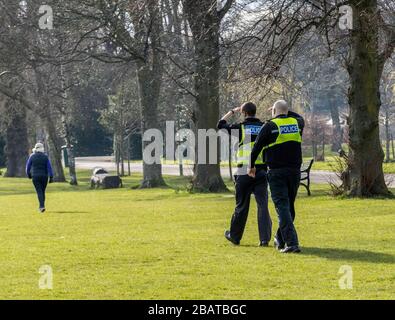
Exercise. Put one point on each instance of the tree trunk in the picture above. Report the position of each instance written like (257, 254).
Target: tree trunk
(149, 75)
(149, 85)
(128, 151)
(72, 169)
(122, 156)
(337, 130)
(323, 145)
(54, 150)
(116, 153)
(180, 167)
(387, 137)
(16, 150)
(52, 138)
(70, 153)
(66, 129)
(366, 153)
(205, 23)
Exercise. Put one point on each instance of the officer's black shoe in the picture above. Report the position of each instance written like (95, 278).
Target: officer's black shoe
(278, 245)
(291, 249)
(229, 238)
(263, 244)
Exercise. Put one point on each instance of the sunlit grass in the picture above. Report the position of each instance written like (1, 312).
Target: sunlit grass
(168, 244)
(330, 165)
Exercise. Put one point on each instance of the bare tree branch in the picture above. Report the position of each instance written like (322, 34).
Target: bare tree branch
(225, 9)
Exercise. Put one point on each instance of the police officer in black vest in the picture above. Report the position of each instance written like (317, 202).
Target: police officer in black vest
(281, 137)
(245, 185)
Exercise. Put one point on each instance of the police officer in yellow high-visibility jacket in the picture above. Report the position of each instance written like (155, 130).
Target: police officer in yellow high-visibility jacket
(245, 185)
(281, 137)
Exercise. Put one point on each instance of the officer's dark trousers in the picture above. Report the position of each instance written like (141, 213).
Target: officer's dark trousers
(284, 185)
(40, 183)
(245, 186)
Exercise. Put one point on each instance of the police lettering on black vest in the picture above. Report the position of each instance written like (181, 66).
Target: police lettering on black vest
(249, 132)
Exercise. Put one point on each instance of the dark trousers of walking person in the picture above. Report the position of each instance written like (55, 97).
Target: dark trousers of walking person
(284, 184)
(40, 184)
(245, 186)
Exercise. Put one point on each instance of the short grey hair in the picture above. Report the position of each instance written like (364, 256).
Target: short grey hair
(281, 106)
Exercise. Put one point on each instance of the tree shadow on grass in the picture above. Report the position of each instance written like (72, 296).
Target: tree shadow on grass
(349, 255)
(4, 193)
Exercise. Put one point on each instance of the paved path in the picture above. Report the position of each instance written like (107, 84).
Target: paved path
(320, 177)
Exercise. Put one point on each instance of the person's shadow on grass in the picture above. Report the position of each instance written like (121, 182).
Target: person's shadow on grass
(349, 255)
(69, 212)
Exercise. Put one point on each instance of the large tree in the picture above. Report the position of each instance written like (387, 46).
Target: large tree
(370, 40)
(365, 69)
(205, 19)
(28, 76)
(16, 149)
(128, 32)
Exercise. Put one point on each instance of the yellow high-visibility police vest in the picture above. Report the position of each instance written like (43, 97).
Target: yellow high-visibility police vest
(288, 130)
(246, 145)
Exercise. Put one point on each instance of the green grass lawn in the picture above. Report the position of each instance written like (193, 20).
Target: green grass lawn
(329, 165)
(169, 244)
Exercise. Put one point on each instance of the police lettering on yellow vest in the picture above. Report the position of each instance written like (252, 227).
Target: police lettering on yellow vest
(281, 139)
(288, 130)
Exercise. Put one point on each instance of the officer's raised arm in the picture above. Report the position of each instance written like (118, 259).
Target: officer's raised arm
(223, 122)
(298, 117)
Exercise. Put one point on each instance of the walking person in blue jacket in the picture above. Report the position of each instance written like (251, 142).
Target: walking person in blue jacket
(39, 169)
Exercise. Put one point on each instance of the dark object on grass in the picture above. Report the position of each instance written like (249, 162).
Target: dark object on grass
(102, 179)
(305, 176)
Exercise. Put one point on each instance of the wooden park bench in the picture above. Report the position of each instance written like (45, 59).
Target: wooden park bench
(305, 175)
